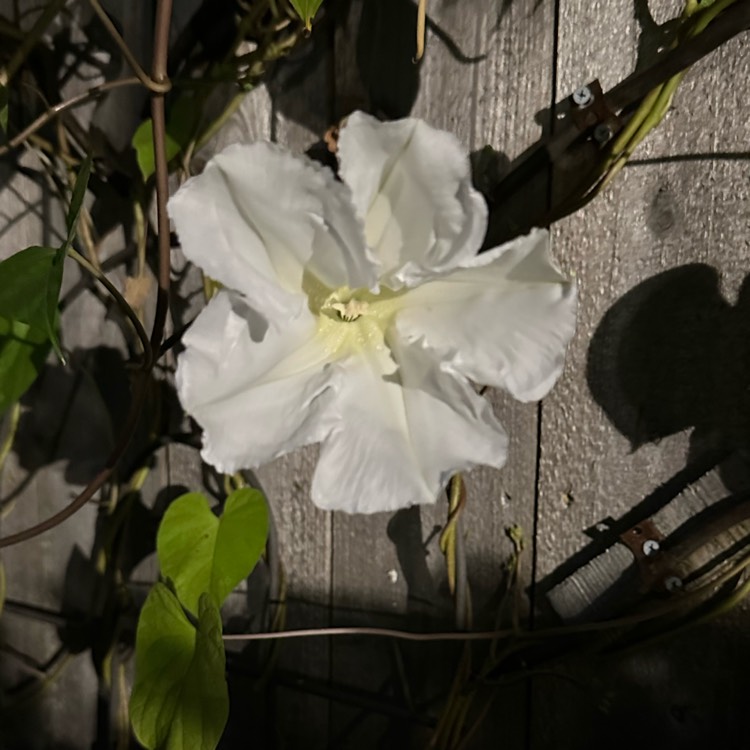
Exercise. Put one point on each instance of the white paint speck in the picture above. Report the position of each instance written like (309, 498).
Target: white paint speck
(393, 575)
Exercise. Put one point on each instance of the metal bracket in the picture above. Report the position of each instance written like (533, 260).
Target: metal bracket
(589, 109)
(657, 568)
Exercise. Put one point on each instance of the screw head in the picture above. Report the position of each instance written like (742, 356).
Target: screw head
(582, 97)
(650, 547)
(602, 133)
(673, 583)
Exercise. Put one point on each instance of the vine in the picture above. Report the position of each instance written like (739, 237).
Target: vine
(204, 554)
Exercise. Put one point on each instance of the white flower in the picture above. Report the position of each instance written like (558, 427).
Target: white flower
(356, 313)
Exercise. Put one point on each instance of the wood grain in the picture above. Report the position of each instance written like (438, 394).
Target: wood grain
(40, 476)
(485, 84)
(683, 223)
(650, 388)
(655, 382)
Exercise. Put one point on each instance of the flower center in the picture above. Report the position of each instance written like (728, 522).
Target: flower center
(348, 311)
(350, 320)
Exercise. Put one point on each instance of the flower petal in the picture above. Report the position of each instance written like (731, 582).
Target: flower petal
(412, 187)
(258, 217)
(503, 319)
(402, 428)
(258, 390)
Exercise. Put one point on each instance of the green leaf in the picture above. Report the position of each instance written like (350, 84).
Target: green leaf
(179, 699)
(25, 279)
(306, 9)
(76, 200)
(202, 553)
(143, 143)
(30, 284)
(21, 360)
(182, 122)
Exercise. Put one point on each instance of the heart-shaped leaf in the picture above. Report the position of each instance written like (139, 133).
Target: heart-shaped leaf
(202, 553)
(179, 699)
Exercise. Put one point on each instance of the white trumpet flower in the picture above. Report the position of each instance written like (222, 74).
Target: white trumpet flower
(356, 313)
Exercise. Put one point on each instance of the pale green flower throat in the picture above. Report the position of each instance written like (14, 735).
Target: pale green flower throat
(351, 320)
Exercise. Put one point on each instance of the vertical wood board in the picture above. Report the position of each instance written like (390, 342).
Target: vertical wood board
(654, 377)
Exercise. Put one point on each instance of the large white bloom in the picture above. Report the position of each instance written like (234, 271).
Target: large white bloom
(356, 313)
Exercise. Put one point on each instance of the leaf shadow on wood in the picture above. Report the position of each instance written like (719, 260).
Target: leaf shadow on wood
(673, 354)
(94, 598)
(385, 48)
(379, 78)
(29, 727)
(654, 37)
(365, 53)
(670, 355)
(77, 413)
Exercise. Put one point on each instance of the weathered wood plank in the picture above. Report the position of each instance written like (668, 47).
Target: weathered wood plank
(652, 376)
(40, 476)
(485, 85)
(602, 445)
(387, 569)
(301, 113)
(492, 100)
(302, 532)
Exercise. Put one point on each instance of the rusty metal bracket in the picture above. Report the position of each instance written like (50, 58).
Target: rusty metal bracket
(658, 569)
(590, 109)
(587, 109)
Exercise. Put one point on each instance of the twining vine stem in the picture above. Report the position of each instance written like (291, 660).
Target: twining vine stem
(664, 608)
(716, 26)
(159, 75)
(156, 84)
(734, 18)
(57, 109)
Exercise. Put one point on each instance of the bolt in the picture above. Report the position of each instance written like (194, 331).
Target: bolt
(673, 583)
(650, 547)
(582, 97)
(602, 133)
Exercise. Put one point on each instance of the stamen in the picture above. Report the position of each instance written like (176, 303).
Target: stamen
(351, 310)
